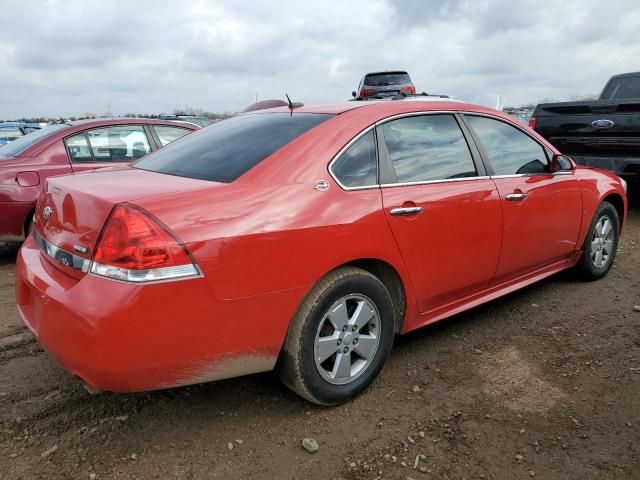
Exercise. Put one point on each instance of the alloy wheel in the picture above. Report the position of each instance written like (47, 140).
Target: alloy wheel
(602, 242)
(347, 339)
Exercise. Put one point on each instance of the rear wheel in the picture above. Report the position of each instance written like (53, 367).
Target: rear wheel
(601, 243)
(339, 339)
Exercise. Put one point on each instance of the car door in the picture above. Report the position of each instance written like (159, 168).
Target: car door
(107, 146)
(442, 208)
(542, 210)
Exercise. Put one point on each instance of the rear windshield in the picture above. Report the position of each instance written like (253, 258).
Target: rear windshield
(21, 144)
(224, 151)
(9, 134)
(384, 79)
(621, 88)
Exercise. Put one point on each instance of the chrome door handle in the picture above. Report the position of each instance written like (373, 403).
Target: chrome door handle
(397, 212)
(514, 197)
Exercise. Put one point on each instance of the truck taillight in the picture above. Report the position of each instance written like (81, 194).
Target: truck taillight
(532, 123)
(135, 247)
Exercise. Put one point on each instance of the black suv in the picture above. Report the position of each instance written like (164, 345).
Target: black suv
(384, 84)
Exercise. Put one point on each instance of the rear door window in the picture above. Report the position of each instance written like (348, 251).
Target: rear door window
(509, 150)
(358, 165)
(122, 143)
(78, 148)
(167, 134)
(428, 148)
(225, 150)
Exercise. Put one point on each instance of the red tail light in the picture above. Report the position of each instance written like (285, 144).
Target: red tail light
(367, 92)
(410, 90)
(135, 247)
(532, 122)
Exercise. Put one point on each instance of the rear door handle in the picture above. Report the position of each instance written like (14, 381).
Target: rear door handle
(398, 212)
(514, 197)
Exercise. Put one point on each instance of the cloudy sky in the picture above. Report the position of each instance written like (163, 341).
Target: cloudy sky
(70, 57)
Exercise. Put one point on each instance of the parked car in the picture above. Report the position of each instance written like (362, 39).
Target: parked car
(27, 162)
(602, 133)
(199, 121)
(384, 85)
(10, 131)
(303, 240)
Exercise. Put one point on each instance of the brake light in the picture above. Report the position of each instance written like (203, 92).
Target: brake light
(532, 123)
(135, 247)
(367, 92)
(409, 89)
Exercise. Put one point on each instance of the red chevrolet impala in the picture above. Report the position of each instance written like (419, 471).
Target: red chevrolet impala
(26, 163)
(303, 240)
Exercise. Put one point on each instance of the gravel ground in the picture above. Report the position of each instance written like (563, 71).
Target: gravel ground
(542, 383)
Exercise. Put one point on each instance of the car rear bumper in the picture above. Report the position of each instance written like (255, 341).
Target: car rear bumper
(121, 337)
(13, 216)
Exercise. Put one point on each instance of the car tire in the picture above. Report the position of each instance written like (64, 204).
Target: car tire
(599, 249)
(336, 310)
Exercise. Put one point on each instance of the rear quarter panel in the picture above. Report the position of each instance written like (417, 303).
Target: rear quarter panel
(251, 240)
(51, 161)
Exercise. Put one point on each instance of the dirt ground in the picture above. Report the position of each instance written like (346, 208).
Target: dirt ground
(543, 383)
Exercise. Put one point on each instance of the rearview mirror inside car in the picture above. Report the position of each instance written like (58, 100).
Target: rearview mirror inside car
(561, 163)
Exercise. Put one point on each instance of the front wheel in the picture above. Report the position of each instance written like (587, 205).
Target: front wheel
(601, 243)
(339, 339)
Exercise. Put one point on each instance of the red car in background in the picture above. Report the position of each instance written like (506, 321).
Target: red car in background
(63, 148)
(303, 240)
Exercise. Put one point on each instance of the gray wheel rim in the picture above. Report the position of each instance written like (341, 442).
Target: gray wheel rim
(347, 339)
(602, 242)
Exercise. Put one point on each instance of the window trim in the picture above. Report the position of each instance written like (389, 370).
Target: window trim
(485, 157)
(345, 148)
(483, 167)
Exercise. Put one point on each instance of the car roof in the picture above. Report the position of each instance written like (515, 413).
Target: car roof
(622, 75)
(390, 72)
(100, 122)
(382, 106)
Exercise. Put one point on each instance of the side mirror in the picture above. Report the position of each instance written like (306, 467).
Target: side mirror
(561, 163)
(353, 94)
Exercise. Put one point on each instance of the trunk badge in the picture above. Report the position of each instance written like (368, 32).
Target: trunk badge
(80, 248)
(46, 213)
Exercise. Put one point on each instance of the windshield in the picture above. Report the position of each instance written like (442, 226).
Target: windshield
(227, 149)
(622, 88)
(21, 144)
(384, 79)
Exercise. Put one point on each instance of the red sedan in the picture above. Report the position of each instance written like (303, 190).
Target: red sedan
(303, 240)
(27, 162)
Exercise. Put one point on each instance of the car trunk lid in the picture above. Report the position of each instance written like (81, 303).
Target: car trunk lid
(73, 209)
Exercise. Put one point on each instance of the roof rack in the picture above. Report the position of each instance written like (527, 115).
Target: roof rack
(399, 96)
(402, 95)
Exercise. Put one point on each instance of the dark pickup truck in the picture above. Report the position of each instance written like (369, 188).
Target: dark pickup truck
(602, 133)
